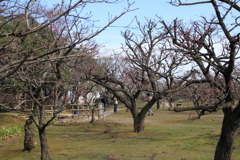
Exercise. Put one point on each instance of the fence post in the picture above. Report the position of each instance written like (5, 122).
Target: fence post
(100, 111)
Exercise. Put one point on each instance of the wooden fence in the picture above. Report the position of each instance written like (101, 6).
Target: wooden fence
(83, 114)
(86, 113)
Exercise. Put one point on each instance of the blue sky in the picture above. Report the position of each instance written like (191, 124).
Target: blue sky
(111, 38)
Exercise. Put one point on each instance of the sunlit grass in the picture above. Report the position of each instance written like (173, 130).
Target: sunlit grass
(10, 126)
(7, 132)
(168, 136)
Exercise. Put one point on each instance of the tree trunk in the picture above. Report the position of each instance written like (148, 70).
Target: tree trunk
(93, 115)
(138, 122)
(229, 132)
(29, 134)
(158, 104)
(44, 146)
(171, 105)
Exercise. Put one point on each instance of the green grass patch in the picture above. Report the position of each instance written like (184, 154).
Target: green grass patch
(7, 132)
(10, 126)
(168, 136)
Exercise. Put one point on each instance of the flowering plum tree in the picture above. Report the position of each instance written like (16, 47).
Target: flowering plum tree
(140, 68)
(202, 95)
(213, 44)
(37, 46)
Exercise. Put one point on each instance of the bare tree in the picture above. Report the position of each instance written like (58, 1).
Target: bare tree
(203, 96)
(22, 23)
(142, 65)
(200, 41)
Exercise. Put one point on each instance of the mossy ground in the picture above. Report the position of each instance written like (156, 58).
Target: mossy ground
(168, 136)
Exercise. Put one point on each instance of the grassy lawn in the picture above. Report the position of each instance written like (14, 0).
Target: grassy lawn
(168, 136)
